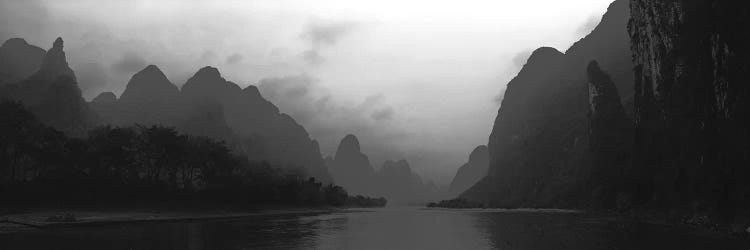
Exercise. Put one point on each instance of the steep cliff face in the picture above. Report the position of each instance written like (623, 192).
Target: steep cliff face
(610, 141)
(52, 94)
(471, 172)
(351, 168)
(692, 109)
(539, 152)
(18, 60)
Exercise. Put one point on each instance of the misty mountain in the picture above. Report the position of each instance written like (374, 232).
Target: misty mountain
(209, 105)
(351, 168)
(51, 93)
(539, 152)
(471, 172)
(19, 60)
(397, 182)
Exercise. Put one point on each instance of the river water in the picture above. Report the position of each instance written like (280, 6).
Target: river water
(386, 228)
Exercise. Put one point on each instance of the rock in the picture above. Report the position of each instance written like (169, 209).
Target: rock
(692, 103)
(610, 139)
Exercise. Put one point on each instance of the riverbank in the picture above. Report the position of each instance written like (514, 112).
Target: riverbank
(48, 218)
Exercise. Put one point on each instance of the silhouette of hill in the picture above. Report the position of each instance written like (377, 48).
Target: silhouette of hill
(19, 60)
(397, 182)
(471, 172)
(209, 105)
(52, 94)
(539, 155)
(351, 168)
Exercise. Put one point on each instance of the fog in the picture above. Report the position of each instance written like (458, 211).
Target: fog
(420, 80)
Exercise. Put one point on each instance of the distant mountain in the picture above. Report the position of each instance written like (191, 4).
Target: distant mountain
(209, 105)
(539, 150)
(19, 60)
(471, 172)
(351, 168)
(51, 93)
(397, 182)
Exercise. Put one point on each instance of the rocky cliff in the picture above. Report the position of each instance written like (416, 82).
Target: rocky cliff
(692, 103)
(610, 141)
(539, 145)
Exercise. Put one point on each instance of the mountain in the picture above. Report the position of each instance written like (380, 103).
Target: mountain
(209, 105)
(351, 168)
(610, 140)
(397, 182)
(472, 171)
(19, 60)
(248, 114)
(539, 150)
(149, 98)
(692, 104)
(52, 94)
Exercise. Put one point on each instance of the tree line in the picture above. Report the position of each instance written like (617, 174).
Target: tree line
(135, 165)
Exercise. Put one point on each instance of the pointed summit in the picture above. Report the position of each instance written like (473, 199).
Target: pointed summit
(208, 72)
(54, 64)
(149, 85)
(208, 83)
(348, 145)
(105, 98)
(351, 168)
(58, 44)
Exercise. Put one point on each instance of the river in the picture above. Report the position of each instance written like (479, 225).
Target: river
(386, 228)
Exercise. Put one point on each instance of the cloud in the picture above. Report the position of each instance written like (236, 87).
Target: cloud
(320, 34)
(328, 119)
(25, 19)
(92, 78)
(234, 59)
(327, 33)
(383, 114)
(129, 64)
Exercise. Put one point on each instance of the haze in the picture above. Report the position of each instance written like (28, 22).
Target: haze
(419, 80)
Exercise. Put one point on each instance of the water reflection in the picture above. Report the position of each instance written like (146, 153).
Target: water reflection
(388, 228)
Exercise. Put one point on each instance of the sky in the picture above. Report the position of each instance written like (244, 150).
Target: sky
(420, 80)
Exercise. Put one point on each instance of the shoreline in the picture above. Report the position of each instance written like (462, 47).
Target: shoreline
(40, 219)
